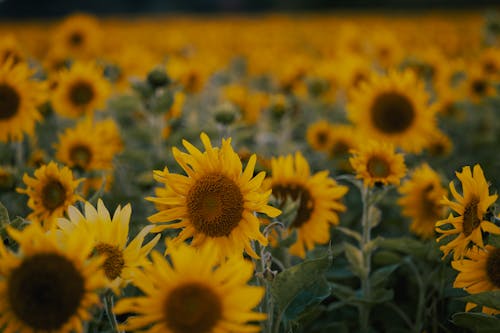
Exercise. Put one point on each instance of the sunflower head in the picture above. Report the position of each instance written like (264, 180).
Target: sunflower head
(318, 197)
(378, 164)
(320, 135)
(110, 235)
(216, 201)
(20, 96)
(478, 85)
(193, 293)
(468, 223)
(80, 90)
(394, 109)
(50, 284)
(50, 193)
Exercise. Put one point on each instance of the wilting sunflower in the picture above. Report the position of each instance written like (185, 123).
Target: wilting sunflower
(50, 284)
(378, 163)
(421, 201)
(471, 207)
(215, 203)
(110, 237)
(192, 293)
(80, 90)
(320, 136)
(78, 36)
(394, 109)
(50, 193)
(319, 200)
(19, 99)
(479, 272)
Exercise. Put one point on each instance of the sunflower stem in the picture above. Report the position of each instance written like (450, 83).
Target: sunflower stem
(267, 305)
(108, 306)
(421, 294)
(19, 153)
(364, 308)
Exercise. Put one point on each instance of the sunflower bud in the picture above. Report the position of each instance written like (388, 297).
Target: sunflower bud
(225, 114)
(158, 78)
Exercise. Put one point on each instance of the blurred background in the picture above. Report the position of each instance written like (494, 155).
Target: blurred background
(16, 9)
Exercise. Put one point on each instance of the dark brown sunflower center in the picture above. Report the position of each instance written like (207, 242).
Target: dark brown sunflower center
(322, 138)
(81, 93)
(14, 55)
(296, 192)
(489, 67)
(114, 262)
(9, 102)
(215, 205)
(378, 167)
(479, 87)
(493, 267)
(192, 308)
(340, 148)
(53, 195)
(471, 218)
(392, 113)
(45, 291)
(76, 38)
(359, 78)
(80, 156)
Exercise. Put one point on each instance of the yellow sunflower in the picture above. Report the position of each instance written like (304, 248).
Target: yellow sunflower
(439, 144)
(478, 85)
(78, 36)
(110, 237)
(49, 285)
(343, 140)
(50, 193)
(320, 136)
(471, 206)
(10, 48)
(479, 272)
(7, 177)
(421, 200)
(394, 109)
(318, 196)
(378, 163)
(19, 98)
(216, 202)
(489, 61)
(80, 90)
(192, 293)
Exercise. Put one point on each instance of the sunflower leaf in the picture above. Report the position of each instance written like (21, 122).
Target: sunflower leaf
(355, 258)
(4, 216)
(477, 322)
(405, 245)
(296, 280)
(490, 299)
(379, 277)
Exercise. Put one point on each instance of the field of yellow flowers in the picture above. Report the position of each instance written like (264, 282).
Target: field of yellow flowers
(270, 173)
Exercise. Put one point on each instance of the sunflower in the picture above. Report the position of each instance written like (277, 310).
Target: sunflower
(421, 201)
(7, 177)
(343, 139)
(50, 193)
(318, 197)
(393, 109)
(477, 85)
(10, 48)
(78, 36)
(439, 144)
(489, 61)
(80, 90)
(50, 285)
(110, 240)
(215, 203)
(192, 293)
(471, 206)
(479, 272)
(378, 163)
(320, 136)
(19, 99)
(250, 103)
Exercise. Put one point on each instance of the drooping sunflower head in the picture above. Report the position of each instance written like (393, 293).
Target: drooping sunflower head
(393, 108)
(20, 96)
(78, 36)
(422, 200)
(468, 223)
(320, 136)
(80, 90)
(50, 193)
(50, 284)
(318, 199)
(479, 272)
(110, 235)
(193, 293)
(378, 164)
(216, 201)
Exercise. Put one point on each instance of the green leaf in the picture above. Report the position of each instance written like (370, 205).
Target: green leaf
(374, 216)
(405, 245)
(4, 216)
(355, 258)
(291, 282)
(379, 277)
(490, 299)
(344, 293)
(348, 232)
(308, 298)
(478, 322)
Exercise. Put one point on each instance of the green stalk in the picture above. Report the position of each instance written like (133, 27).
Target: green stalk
(108, 306)
(365, 308)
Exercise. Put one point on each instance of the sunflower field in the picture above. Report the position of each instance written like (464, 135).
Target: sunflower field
(271, 173)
